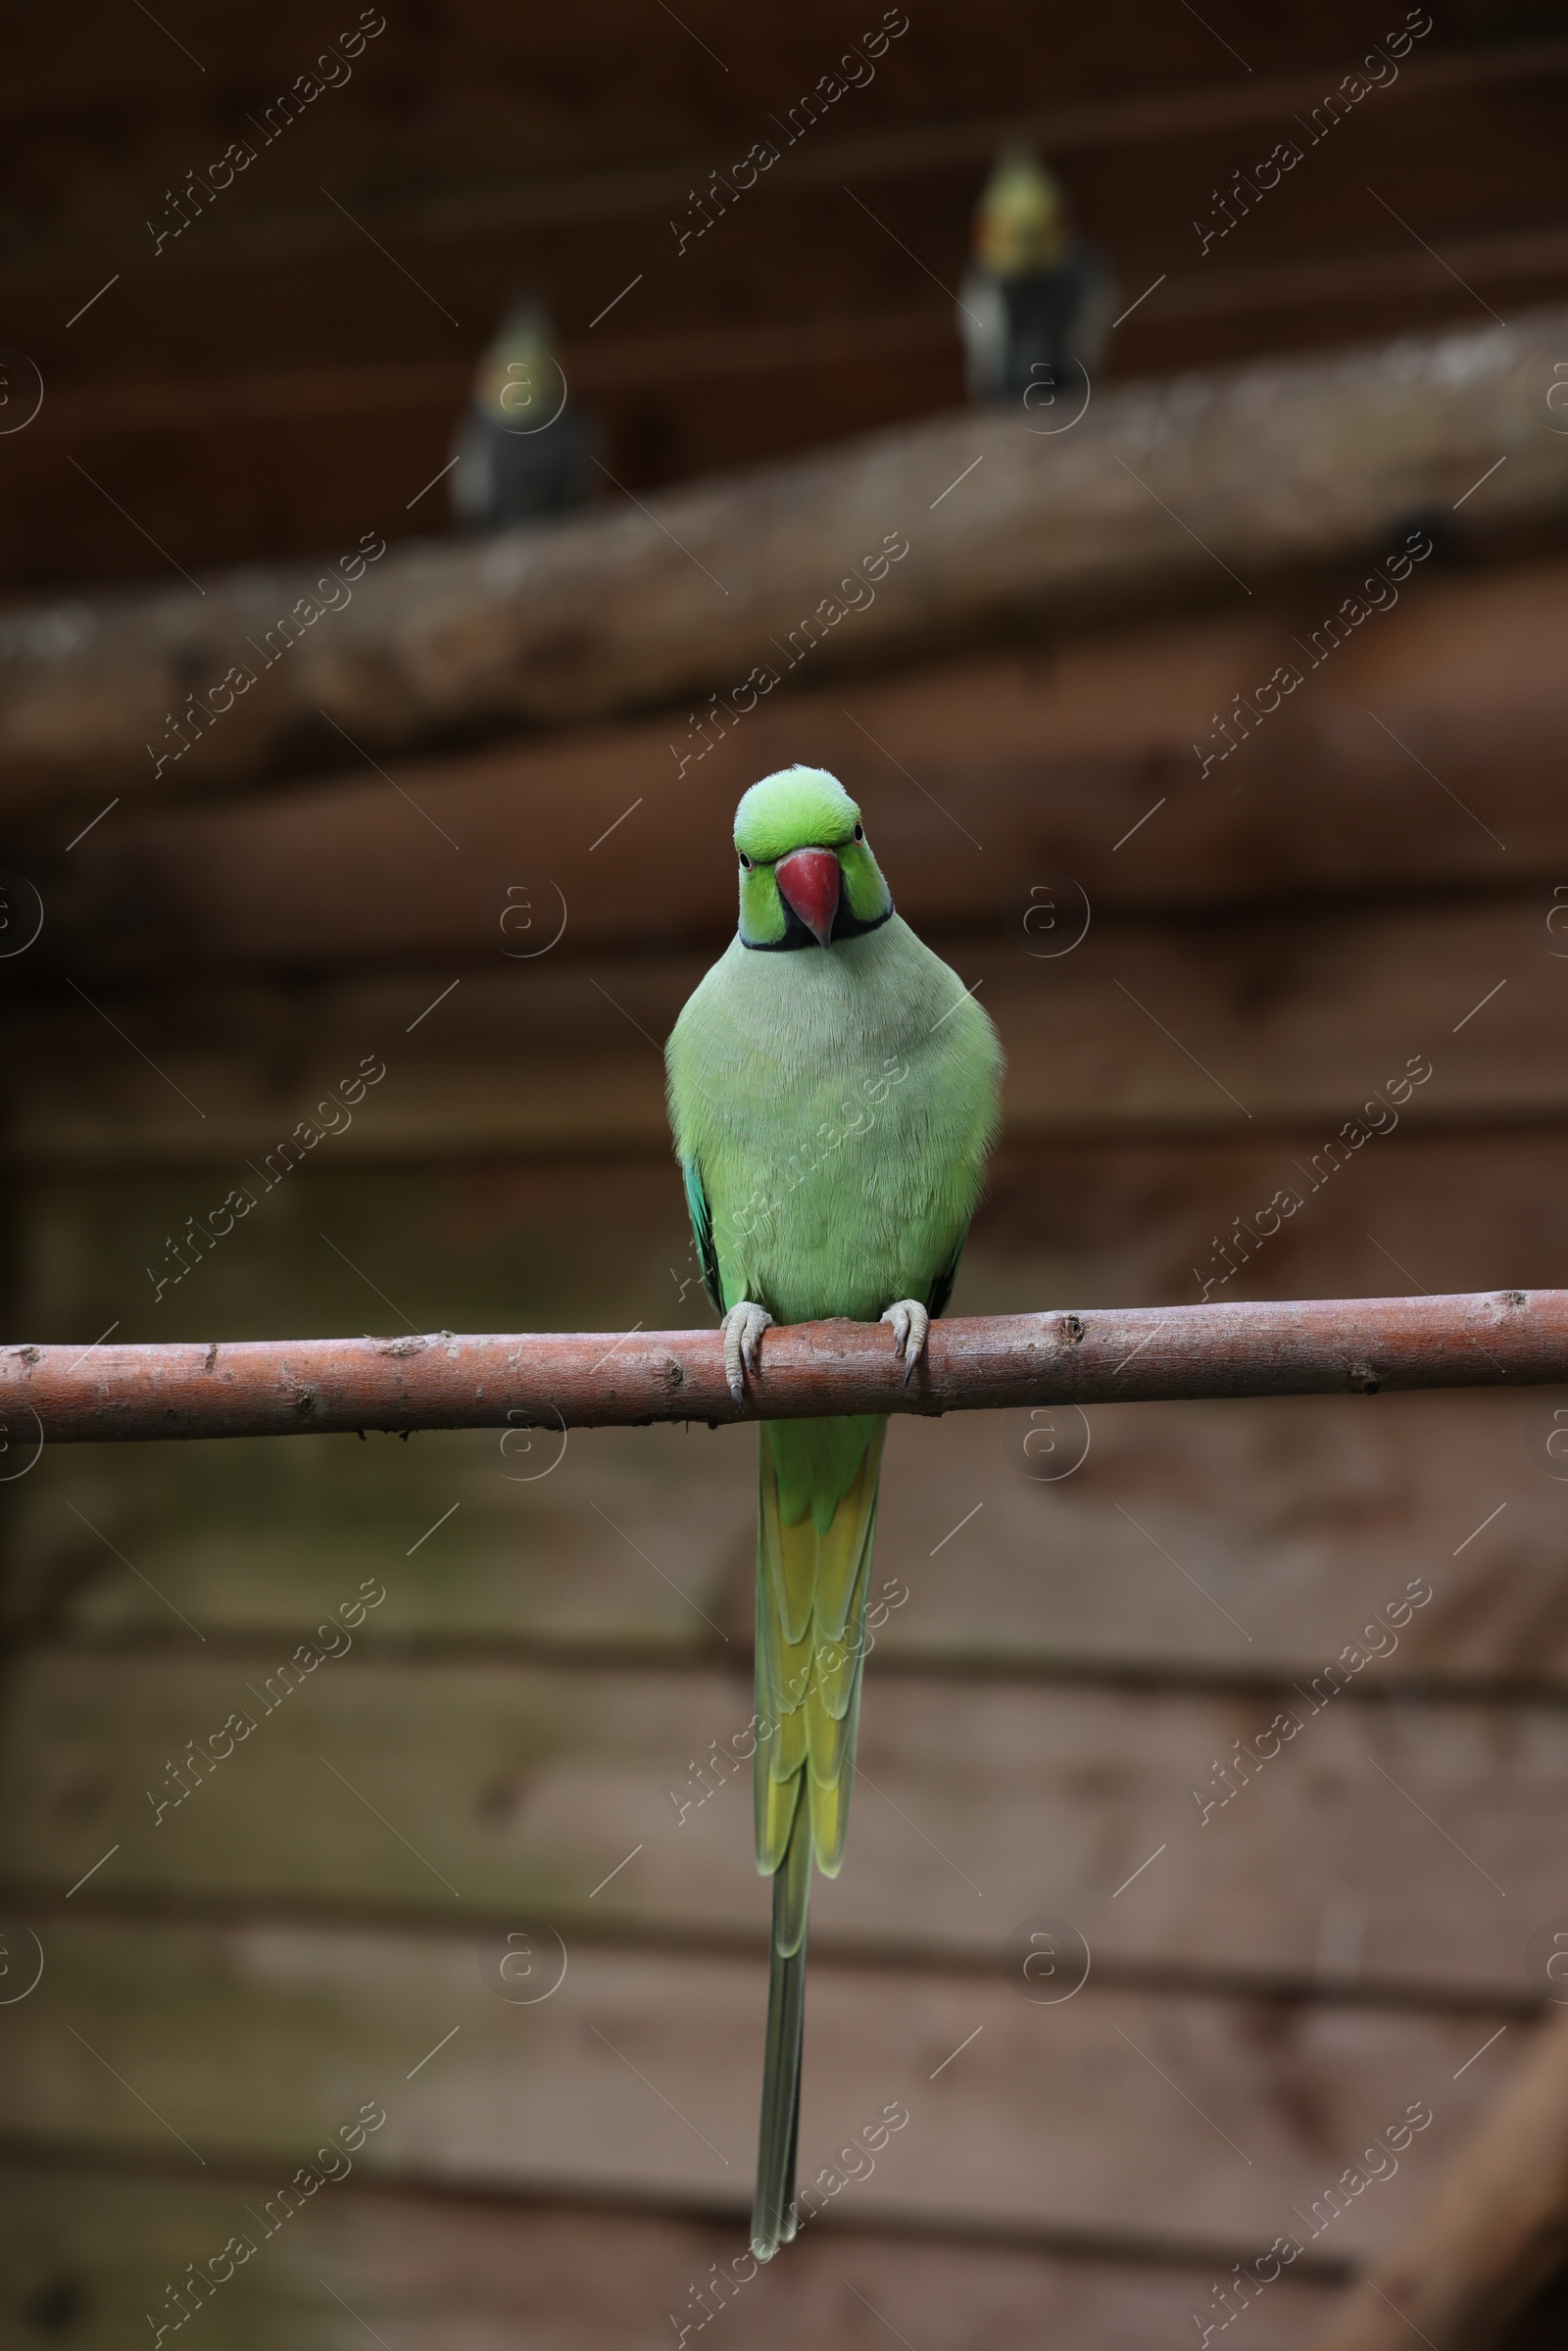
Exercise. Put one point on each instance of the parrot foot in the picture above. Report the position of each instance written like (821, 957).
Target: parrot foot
(911, 1324)
(743, 1328)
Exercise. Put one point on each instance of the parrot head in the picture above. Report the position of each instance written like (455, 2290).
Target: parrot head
(1020, 222)
(808, 876)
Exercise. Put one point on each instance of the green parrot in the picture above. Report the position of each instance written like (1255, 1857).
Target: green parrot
(834, 1090)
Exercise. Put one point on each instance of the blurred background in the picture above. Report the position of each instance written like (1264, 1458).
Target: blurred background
(446, 454)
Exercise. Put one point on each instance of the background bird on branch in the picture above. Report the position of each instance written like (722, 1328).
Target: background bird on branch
(522, 449)
(1035, 302)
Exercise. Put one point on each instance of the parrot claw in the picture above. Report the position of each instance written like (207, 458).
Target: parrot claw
(911, 1324)
(743, 1328)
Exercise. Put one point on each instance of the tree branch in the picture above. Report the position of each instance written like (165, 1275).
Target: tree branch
(282, 1387)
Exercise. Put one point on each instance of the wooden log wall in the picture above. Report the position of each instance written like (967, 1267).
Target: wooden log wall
(531, 1659)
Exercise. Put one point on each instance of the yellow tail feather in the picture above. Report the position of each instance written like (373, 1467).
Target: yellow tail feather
(816, 1521)
(812, 1583)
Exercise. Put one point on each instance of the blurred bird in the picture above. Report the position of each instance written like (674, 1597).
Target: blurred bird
(1035, 306)
(521, 447)
(824, 994)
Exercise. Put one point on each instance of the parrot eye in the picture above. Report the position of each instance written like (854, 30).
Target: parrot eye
(745, 862)
(859, 832)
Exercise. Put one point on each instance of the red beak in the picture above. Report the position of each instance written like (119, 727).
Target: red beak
(808, 879)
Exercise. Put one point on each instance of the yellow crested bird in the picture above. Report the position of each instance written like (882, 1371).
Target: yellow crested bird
(1035, 307)
(521, 447)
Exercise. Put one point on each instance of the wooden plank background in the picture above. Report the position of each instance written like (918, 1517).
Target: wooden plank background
(1063, 1661)
(1201, 969)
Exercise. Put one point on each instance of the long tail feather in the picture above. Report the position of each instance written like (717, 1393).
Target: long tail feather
(815, 1526)
(773, 2209)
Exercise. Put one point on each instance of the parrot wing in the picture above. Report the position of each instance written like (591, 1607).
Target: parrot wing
(939, 1293)
(702, 1216)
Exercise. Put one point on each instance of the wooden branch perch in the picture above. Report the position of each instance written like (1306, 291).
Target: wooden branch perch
(284, 1388)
